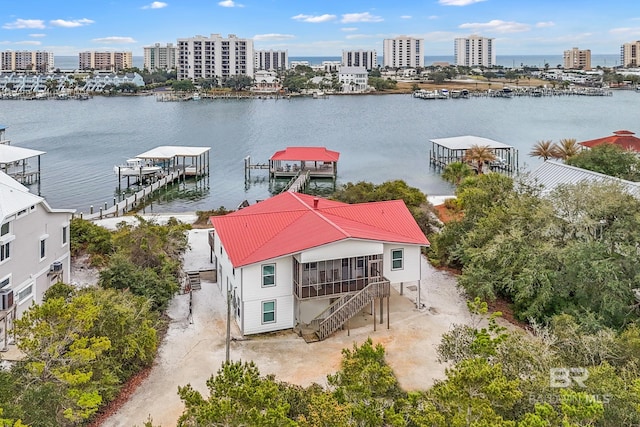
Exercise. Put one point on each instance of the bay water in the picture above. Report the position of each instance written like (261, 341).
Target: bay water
(380, 137)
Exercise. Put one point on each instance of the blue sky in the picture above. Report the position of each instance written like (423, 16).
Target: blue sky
(321, 28)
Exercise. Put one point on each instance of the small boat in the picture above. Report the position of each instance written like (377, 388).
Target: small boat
(196, 96)
(136, 167)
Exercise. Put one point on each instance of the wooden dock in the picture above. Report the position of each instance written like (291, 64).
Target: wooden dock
(298, 183)
(132, 202)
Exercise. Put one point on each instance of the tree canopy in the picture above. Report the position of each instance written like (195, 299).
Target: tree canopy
(609, 159)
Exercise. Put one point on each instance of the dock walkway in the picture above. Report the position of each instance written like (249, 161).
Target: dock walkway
(133, 201)
(298, 182)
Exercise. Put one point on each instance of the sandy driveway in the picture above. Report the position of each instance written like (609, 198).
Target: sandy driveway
(192, 352)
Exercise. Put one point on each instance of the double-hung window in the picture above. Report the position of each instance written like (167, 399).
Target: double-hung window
(268, 275)
(397, 259)
(268, 312)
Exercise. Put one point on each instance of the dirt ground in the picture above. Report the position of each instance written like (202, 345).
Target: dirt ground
(194, 349)
(469, 84)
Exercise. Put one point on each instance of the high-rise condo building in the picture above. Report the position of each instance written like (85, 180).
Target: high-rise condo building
(271, 60)
(105, 61)
(158, 57)
(630, 54)
(215, 56)
(360, 58)
(577, 59)
(474, 51)
(26, 60)
(403, 52)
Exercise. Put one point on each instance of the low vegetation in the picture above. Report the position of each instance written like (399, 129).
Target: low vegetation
(82, 345)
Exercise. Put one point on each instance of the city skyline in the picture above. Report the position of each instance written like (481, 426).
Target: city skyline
(315, 28)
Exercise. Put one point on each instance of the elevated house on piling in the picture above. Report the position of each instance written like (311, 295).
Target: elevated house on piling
(449, 150)
(296, 260)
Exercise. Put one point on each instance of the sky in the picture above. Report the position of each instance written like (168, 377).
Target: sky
(321, 28)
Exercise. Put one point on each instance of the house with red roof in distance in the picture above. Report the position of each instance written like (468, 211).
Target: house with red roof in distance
(296, 260)
(622, 138)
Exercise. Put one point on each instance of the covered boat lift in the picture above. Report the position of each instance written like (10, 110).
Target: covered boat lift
(318, 161)
(16, 162)
(450, 150)
(173, 157)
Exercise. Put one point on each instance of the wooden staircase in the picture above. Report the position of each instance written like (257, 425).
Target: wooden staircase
(193, 280)
(347, 306)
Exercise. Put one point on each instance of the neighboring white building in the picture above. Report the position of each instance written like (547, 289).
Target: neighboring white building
(294, 64)
(287, 259)
(474, 51)
(26, 60)
(330, 66)
(98, 82)
(158, 57)
(360, 58)
(105, 61)
(23, 83)
(215, 56)
(353, 79)
(403, 51)
(34, 249)
(266, 81)
(271, 60)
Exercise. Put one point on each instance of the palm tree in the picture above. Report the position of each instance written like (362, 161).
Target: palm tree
(479, 154)
(544, 149)
(455, 172)
(567, 148)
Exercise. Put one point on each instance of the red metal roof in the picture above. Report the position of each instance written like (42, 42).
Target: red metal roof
(288, 223)
(623, 138)
(314, 154)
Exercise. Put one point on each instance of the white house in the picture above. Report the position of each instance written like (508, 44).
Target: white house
(98, 82)
(34, 249)
(266, 81)
(353, 79)
(296, 260)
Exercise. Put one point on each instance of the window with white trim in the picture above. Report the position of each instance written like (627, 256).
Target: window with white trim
(25, 293)
(268, 311)
(5, 251)
(268, 275)
(43, 248)
(5, 282)
(397, 259)
(5, 229)
(65, 233)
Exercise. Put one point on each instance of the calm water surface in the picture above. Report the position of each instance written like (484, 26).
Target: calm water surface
(379, 137)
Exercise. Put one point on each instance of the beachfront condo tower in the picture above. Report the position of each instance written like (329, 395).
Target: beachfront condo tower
(360, 58)
(630, 54)
(271, 60)
(577, 59)
(403, 52)
(215, 56)
(105, 61)
(474, 51)
(159, 57)
(26, 60)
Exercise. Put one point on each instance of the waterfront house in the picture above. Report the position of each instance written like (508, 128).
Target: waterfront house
(621, 138)
(353, 79)
(98, 82)
(266, 82)
(296, 260)
(34, 249)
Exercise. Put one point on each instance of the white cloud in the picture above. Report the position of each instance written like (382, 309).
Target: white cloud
(625, 31)
(229, 3)
(359, 36)
(433, 17)
(20, 24)
(71, 24)
(360, 17)
(273, 36)
(30, 42)
(545, 24)
(155, 5)
(497, 26)
(37, 35)
(349, 29)
(314, 19)
(458, 2)
(115, 39)
(406, 17)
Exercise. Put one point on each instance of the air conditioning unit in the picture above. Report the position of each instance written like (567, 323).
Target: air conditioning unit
(6, 299)
(56, 266)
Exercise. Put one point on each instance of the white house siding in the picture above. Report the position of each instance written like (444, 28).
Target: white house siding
(25, 266)
(254, 294)
(411, 263)
(342, 249)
